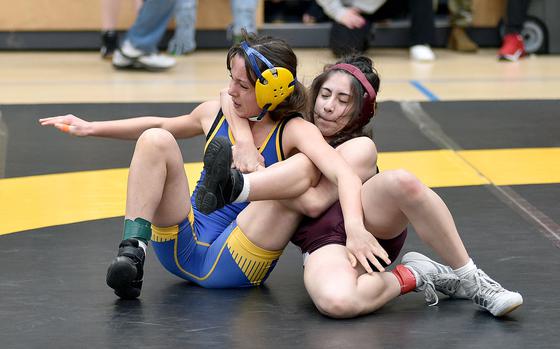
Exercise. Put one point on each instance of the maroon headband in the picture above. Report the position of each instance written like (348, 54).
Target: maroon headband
(369, 103)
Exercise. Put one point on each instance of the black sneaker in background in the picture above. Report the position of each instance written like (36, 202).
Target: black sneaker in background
(109, 43)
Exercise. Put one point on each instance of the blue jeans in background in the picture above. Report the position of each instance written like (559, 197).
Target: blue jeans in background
(150, 25)
(244, 15)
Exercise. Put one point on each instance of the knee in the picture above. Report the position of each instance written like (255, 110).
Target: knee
(337, 305)
(406, 185)
(308, 169)
(156, 139)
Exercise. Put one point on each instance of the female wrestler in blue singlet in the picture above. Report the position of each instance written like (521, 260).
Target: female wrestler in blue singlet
(238, 245)
(344, 101)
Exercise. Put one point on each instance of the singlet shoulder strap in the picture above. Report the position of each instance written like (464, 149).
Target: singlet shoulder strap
(215, 124)
(281, 132)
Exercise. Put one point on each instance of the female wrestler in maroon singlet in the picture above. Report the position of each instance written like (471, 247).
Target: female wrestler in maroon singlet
(338, 269)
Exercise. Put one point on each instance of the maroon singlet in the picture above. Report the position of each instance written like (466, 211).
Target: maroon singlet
(314, 233)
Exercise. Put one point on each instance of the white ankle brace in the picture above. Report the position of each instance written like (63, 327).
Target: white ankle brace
(245, 191)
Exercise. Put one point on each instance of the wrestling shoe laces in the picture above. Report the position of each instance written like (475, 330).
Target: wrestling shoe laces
(427, 286)
(491, 296)
(447, 283)
(430, 283)
(431, 276)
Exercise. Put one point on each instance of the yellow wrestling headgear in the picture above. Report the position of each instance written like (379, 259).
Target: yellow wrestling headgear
(273, 85)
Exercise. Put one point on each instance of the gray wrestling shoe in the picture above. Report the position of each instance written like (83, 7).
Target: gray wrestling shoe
(446, 284)
(490, 295)
(483, 290)
(431, 276)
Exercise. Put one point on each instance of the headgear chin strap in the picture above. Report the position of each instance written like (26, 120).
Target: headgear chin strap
(369, 103)
(273, 85)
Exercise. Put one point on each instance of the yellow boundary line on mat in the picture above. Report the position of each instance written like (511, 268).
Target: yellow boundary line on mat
(41, 201)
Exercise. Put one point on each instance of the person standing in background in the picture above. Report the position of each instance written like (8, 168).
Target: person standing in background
(460, 18)
(513, 47)
(244, 13)
(140, 47)
(110, 10)
(353, 20)
(183, 41)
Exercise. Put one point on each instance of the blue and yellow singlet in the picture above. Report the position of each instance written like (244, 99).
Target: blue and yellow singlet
(211, 250)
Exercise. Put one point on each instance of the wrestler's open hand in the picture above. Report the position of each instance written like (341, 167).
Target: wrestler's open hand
(364, 247)
(68, 124)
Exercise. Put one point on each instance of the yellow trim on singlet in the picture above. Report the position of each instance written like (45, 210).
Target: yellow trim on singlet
(241, 241)
(163, 234)
(278, 152)
(263, 144)
(213, 134)
(199, 278)
(278, 139)
(230, 136)
(253, 260)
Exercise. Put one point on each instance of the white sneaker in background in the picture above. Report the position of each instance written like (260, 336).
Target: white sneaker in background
(127, 57)
(155, 61)
(120, 61)
(422, 53)
(130, 51)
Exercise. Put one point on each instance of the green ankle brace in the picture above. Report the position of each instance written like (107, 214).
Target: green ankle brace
(139, 229)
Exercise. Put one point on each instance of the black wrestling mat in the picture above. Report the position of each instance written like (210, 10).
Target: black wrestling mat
(34, 150)
(499, 124)
(54, 295)
(52, 285)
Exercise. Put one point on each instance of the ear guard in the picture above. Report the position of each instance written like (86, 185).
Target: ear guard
(369, 103)
(273, 85)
